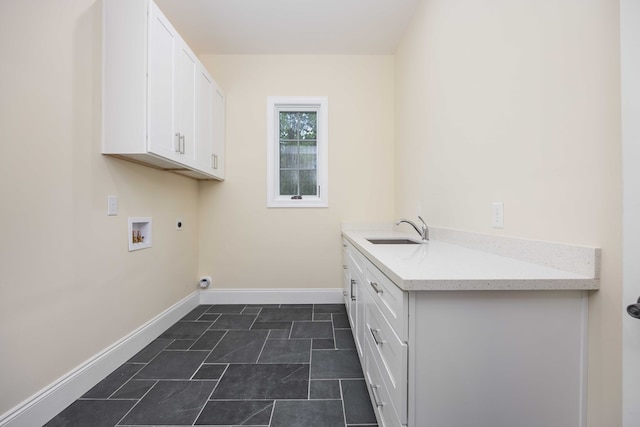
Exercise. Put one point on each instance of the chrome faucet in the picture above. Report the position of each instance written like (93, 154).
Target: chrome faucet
(424, 232)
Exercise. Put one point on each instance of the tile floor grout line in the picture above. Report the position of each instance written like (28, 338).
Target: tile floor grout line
(255, 319)
(205, 401)
(136, 404)
(333, 332)
(344, 410)
(273, 410)
(309, 380)
(290, 331)
(207, 356)
(266, 338)
(127, 381)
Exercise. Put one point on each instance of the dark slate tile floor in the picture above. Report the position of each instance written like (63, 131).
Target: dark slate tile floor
(237, 365)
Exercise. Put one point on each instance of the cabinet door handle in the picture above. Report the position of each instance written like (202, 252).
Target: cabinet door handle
(353, 296)
(374, 334)
(374, 391)
(177, 143)
(376, 287)
(215, 161)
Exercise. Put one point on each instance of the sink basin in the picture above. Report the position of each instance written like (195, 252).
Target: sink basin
(393, 242)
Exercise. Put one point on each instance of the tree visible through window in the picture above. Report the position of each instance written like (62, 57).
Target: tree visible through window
(298, 153)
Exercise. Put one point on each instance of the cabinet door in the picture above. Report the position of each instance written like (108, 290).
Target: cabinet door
(346, 275)
(352, 293)
(218, 131)
(161, 92)
(186, 105)
(209, 126)
(204, 121)
(361, 322)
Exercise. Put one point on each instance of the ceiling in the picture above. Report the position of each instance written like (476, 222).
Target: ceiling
(290, 26)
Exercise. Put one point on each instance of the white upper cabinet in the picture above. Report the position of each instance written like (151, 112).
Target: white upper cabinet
(157, 110)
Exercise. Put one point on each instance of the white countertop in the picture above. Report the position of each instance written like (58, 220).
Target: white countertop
(437, 265)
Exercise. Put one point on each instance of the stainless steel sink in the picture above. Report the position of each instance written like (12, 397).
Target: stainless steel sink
(393, 242)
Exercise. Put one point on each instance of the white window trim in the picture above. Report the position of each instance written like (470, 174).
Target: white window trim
(274, 200)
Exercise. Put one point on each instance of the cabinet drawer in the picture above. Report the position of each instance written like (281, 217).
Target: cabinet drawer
(390, 354)
(391, 300)
(346, 285)
(382, 405)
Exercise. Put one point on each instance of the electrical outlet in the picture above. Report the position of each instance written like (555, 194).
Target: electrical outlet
(112, 205)
(497, 215)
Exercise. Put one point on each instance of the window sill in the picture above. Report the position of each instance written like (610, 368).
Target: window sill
(300, 203)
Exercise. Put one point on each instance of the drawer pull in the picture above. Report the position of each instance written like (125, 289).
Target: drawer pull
(374, 334)
(374, 391)
(376, 287)
(176, 145)
(353, 295)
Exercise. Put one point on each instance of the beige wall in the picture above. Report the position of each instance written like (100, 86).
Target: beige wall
(69, 288)
(245, 245)
(518, 101)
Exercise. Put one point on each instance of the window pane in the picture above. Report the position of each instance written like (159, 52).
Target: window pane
(308, 186)
(308, 155)
(288, 183)
(288, 125)
(288, 154)
(307, 125)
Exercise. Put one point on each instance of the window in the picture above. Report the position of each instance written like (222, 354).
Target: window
(297, 152)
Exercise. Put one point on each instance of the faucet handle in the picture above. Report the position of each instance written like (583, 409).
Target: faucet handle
(425, 229)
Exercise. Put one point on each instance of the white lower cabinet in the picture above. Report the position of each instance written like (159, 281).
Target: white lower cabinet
(468, 358)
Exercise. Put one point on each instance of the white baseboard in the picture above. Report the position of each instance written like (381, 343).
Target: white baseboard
(272, 296)
(48, 402)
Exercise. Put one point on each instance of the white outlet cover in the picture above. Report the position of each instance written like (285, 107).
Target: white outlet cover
(112, 205)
